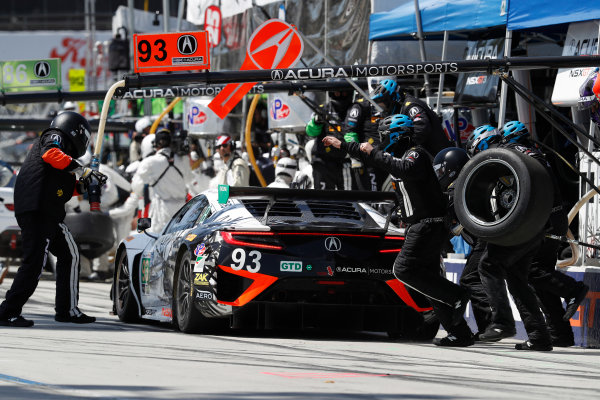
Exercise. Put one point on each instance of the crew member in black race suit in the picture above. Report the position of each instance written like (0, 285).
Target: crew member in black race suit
(422, 207)
(45, 183)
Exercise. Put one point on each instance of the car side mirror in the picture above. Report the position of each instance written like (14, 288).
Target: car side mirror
(143, 224)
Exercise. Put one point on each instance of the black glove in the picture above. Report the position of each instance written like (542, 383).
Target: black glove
(318, 119)
(81, 185)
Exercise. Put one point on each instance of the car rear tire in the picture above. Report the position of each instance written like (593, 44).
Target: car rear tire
(503, 197)
(124, 300)
(185, 315)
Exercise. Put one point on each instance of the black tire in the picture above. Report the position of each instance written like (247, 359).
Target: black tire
(522, 198)
(185, 315)
(421, 327)
(429, 328)
(124, 299)
(93, 232)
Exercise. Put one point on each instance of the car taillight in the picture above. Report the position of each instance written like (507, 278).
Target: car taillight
(9, 207)
(259, 240)
(392, 244)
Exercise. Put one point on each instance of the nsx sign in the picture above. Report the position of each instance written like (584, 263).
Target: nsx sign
(171, 52)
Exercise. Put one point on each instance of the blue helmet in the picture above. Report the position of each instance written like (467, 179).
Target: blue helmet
(394, 128)
(483, 138)
(386, 93)
(514, 132)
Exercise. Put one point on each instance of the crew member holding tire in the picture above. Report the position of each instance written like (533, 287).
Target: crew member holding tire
(549, 284)
(511, 262)
(45, 183)
(422, 207)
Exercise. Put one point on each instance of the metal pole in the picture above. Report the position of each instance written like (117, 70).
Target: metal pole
(180, 14)
(166, 15)
(503, 90)
(86, 11)
(422, 45)
(438, 107)
(131, 29)
(94, 80)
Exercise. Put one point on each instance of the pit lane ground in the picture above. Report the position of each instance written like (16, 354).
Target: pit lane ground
(112, 360)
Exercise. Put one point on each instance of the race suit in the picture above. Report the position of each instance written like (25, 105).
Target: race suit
(361, 125)
(513, 263)
(422, 207)
(427, 125)
(549, 284)
(234, 172)
(331, 168)
(44, 184)
(167, 177)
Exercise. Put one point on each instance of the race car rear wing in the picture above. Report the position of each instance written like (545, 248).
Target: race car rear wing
(225, 192)
(277, 195)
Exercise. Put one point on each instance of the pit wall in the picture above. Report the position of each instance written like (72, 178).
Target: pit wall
(585, 322)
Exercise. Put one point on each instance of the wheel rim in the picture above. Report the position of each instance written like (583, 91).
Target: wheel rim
(123, 289)
(492, 192)
(184, 289)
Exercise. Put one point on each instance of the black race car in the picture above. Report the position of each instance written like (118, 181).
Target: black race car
(268, 258)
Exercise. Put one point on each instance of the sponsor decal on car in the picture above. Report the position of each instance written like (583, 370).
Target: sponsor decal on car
(199, 265)
(290, 266)
(200, 279)
(200, 249)
(380, 271)
(167, 312)
(351, 270)
(190, 237)
(145, 275)
(203, 295)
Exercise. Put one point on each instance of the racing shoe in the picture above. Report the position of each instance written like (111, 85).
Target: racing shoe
(453, 341)
(494, 334)
(527, 345)
(563, 341)
(80, 319)
(17, 322)
(574, 302)
(459, 307)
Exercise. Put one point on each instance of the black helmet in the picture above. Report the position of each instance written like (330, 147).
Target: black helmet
(448, 163)
(75, 127)
(162, 138)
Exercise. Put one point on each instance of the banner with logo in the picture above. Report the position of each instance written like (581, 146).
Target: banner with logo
(274, 44)
(582, 39)
(28, 75)
(478, 87)
(199, 120)
(287, 112)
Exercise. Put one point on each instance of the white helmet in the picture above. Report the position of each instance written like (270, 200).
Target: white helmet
(286, 169)
(143, 123)
(147, 146)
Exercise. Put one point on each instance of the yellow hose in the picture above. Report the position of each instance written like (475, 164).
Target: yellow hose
(162, 114)
(249, 149)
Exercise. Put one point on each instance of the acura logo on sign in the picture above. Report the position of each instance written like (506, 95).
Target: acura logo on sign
(187, 44)
(333, 244)
(276, 75)
(42, 69)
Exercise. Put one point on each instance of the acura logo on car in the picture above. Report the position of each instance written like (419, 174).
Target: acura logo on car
(276, 75)
(187, 44)
(41, 69)
(333, 244)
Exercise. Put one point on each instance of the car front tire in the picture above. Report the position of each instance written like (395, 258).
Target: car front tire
(124, 299)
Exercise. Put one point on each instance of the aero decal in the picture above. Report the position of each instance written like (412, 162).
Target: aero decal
(274, 44)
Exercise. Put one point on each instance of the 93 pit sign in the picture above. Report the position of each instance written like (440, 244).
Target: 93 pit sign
(171, 51)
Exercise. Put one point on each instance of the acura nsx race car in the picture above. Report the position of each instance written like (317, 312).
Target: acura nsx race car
(248, 257)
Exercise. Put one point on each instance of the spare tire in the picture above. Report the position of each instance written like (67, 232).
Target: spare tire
(503, 196)
(93, 232)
